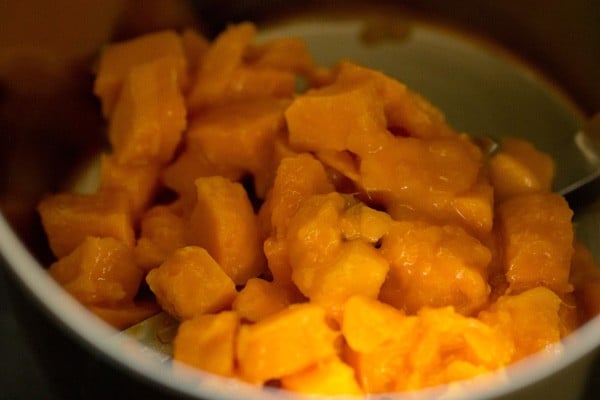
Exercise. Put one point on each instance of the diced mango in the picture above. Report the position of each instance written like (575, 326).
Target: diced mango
(449, 342)
(208, 342)
(330, 377)
(150, 115)
(412, 114)
(225, 74)
(585, 277)
(326, 268)
(434, 266)
(265, 210)
(530, 320)
(264, 176)
(337, 119)
(285, 343)
(224, 223)
(474, 209)
(443, 170)
(250, 83)
(118, 60)
(238, 135)
(190, 283)
(571, 314)
(405, 111)
(139, 182)
(195, 46)
(520, 168)
(379, 369)
(278, 260)
(297, 178)
(100, 271)
(356, 269)
(345, 164)
(283, 54)
(221, 60)
(537, 238)
(409, 167)
(365, 223)
(191, 165)
(260, 298)
(434, 347)
(69, 218)
(368, 323)
(314, 237)
(161, 233)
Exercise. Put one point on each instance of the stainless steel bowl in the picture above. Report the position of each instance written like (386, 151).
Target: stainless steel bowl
(496, 68)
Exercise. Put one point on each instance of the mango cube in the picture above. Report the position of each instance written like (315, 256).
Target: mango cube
(537, 234)
(207, 342)
(285, 343)
(190, 283)
(224, 223)
(69, 219)
(100, 271)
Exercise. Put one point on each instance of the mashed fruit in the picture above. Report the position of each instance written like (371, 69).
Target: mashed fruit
(341, 239)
